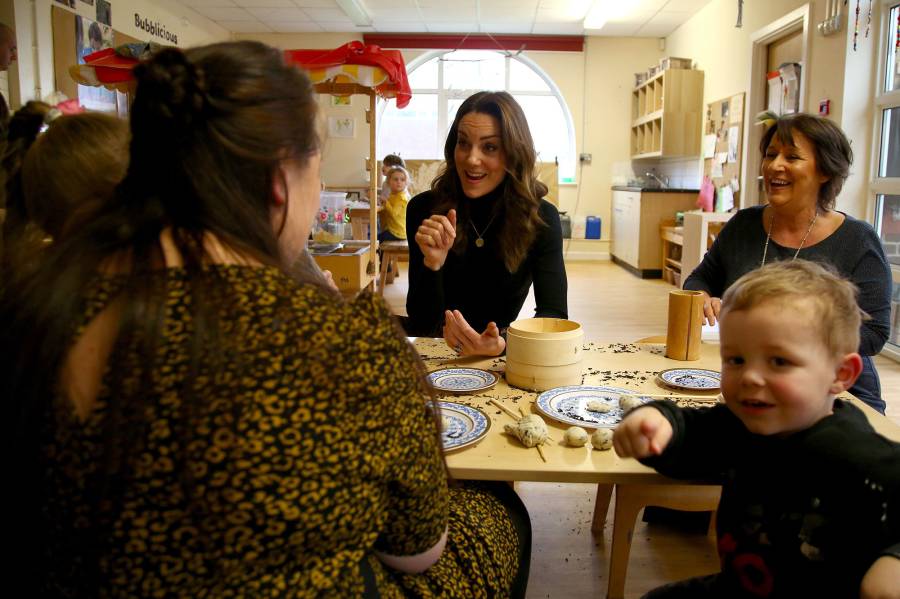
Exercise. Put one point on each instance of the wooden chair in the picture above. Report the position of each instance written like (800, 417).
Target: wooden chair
(392, 253)
(632, 498)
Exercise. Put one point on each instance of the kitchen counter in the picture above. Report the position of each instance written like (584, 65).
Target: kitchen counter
(654, 189)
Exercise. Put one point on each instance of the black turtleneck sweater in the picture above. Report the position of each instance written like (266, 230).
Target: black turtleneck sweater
(476, 281)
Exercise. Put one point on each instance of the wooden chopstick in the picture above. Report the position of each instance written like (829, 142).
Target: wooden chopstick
(509, 412)
(659, 396)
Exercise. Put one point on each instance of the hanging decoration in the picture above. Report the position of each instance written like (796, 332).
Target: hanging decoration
(869, 19)
(740, 18)
(856, 25)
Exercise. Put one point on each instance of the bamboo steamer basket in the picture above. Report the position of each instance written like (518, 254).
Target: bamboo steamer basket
(542, 353)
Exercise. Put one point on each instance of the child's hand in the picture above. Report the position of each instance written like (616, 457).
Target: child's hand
(643, 433)
(881, 581)
(435, 237)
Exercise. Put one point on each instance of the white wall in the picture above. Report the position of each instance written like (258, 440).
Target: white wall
(34, 72)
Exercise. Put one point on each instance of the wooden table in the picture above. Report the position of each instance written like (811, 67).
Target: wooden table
(631, 366)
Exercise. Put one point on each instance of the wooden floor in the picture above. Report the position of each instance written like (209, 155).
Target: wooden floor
(567, 561)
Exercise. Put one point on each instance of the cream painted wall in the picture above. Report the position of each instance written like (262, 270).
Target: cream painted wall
(833, 72)
(34, 73)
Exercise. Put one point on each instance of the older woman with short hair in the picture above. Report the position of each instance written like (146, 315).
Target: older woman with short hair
(806, 160)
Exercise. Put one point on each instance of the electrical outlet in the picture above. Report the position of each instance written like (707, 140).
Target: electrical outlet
(584, 158)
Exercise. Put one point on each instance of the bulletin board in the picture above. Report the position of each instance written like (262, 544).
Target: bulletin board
(723, 134)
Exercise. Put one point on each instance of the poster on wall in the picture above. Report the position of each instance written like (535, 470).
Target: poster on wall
(104, 12)
(90, 37)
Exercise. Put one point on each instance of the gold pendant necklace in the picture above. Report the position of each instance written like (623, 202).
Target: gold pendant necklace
(802, 241)
(479, 241)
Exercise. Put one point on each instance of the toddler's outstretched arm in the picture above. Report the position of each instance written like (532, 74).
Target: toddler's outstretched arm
(643, 433)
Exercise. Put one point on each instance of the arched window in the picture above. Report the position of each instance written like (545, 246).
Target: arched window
(441, 80)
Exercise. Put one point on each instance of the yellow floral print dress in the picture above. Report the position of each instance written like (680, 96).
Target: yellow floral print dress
(311, 449)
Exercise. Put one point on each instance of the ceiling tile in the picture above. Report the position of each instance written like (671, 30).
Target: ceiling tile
(224, 13)
(266, 3)
(613, 29)
(690, 6)
(520, 27)
(452, 27)
(334, 15)
(388, 4)
(449, 13)
(313, 3)
(201, 3)
(444, 3)
(245, 26)
(557, 16)
(673, 19)
(294, 27)
(344, 27)
(646, 5)
(655, 30)
(392, 27)
(400, 16)
(290, 15)
(558, 28)
(506, 13)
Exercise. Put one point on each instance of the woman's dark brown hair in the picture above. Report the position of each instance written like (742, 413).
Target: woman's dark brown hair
(210, 128)
(831, 147)
(521, 190)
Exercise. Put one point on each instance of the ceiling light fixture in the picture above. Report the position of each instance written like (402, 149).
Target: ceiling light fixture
(604, 10)
(356, 11)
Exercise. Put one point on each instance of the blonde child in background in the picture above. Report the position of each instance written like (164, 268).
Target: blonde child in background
(393, 210)
(811, 493)
(390, 161)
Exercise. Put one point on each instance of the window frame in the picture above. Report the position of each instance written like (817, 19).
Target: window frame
(881, 102)
(444, 95)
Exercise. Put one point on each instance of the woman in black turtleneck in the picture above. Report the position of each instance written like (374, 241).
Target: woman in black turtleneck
(483, 233)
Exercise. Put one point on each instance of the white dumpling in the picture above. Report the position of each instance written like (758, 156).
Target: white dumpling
(602, 439)
(601, 407)
(576, 436)
(446, 423)
(531, 430)
(628, 402)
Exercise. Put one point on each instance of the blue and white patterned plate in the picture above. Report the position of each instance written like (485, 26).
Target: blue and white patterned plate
(569, 405)
(461, 425)
(462, 380)
(694, 379)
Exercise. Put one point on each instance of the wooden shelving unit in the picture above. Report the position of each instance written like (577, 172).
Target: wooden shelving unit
(666, 114)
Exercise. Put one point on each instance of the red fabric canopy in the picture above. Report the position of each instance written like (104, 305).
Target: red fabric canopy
(390, 61)
(109, 67)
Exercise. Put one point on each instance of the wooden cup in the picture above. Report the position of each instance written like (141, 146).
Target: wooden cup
(685, 325)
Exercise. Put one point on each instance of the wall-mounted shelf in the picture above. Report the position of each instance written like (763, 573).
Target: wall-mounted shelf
(666, 114)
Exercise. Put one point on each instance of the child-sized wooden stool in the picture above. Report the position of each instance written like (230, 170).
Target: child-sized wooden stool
(392, 253)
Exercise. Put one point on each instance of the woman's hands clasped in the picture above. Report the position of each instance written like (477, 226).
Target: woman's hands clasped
(435, 237)
(466, 341)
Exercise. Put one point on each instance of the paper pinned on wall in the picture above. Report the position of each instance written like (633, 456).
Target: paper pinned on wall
(721, 157)
(716, 168)
(709, 145)
(737, 109)
(724, 199)
(732, 143)
(735, 185)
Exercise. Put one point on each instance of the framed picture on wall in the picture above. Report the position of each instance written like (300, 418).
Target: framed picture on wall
(342, 100)
(342, 127)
